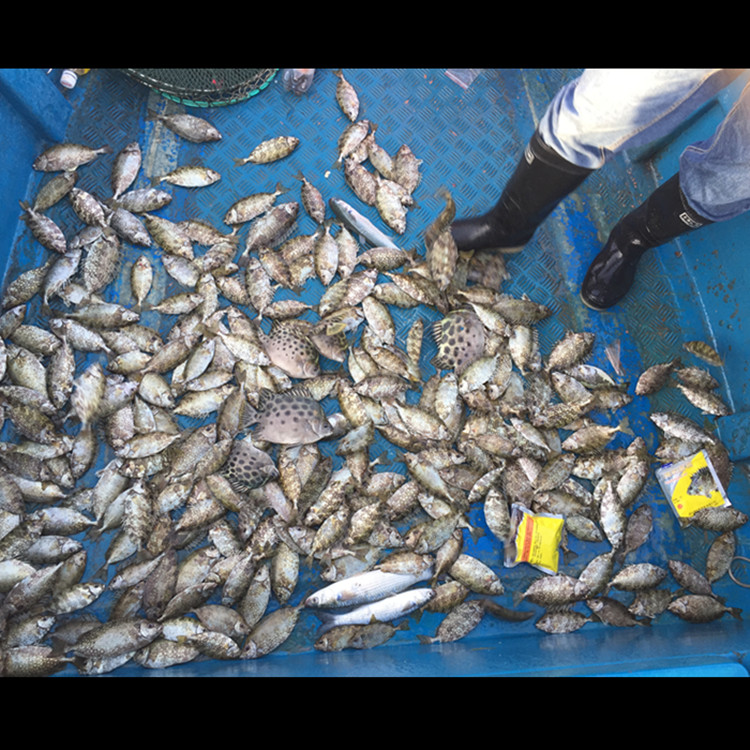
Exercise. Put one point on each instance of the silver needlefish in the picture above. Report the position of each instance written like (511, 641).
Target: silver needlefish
(360, 225)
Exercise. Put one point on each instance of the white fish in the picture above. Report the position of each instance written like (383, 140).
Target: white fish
(365, 587)
(383, 610)
(361, 226)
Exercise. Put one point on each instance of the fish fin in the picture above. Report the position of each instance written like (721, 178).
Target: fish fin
(624, 427)
(208, 329)
(440, 362)
(250, 416)
(101, 573)
(436, 329)
(300, 390)
(476, 533)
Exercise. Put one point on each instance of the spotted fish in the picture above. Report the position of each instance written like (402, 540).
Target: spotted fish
(460, 339)
(290, 349)
(291, 418)
(248, 467)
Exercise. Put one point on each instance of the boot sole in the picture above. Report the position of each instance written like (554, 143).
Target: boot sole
(590, 306)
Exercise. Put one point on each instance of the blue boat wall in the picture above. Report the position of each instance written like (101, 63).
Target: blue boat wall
(469, 140)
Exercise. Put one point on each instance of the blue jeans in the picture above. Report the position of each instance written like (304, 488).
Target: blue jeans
(602, 112)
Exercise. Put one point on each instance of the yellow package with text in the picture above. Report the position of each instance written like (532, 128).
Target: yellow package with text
(535, 539)
(691, 484)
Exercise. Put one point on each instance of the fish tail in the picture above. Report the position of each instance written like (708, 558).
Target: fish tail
(244, 260)
(624, 427)
(101, 573)
(250, 416)
(425, 640)
(736, 612)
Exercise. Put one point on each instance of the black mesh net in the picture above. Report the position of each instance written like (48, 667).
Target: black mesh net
(204, 87)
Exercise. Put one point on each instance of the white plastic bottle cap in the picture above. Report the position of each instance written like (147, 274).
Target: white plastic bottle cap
(68, 79)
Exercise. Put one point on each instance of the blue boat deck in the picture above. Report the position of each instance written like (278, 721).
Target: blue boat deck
(469, 141)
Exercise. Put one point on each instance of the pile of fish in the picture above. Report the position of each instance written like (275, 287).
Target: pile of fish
(207, 528)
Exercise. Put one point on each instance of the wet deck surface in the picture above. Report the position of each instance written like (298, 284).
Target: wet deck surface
(469, 142)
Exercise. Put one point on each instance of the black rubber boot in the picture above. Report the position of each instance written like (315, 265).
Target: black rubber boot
(662, 217)
(540, 181)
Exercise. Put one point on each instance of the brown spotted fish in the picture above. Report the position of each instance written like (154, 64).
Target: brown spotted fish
(460, 339)
(248, 467)
(291, 418)
(290, 349)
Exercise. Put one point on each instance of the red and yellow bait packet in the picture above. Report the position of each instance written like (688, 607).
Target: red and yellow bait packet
(535, 539)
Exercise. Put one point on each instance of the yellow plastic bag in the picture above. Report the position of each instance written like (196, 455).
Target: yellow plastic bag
(691, 484)
(535, 539)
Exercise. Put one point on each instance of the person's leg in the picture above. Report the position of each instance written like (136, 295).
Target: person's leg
(715, 173)
(605, 111)
(588, 120)
(712, 184)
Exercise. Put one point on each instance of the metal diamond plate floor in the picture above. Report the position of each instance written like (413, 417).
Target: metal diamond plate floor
(468, 142)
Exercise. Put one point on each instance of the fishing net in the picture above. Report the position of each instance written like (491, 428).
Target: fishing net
(204, 87)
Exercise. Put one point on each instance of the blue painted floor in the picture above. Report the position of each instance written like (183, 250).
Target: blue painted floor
(468, 141)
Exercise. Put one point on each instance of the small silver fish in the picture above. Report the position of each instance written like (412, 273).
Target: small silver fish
(639, 576)
(125, 168)
(65, 157)
(346, 96)
(44, 229)
(360, 225)
(571, 350)
(141, 200)
(191, 128)
(270, 150)
(458, 623)
(684, 428)
(707, 401)
(655, 377)
(701, 608)
(190, 176)
(251, 206)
